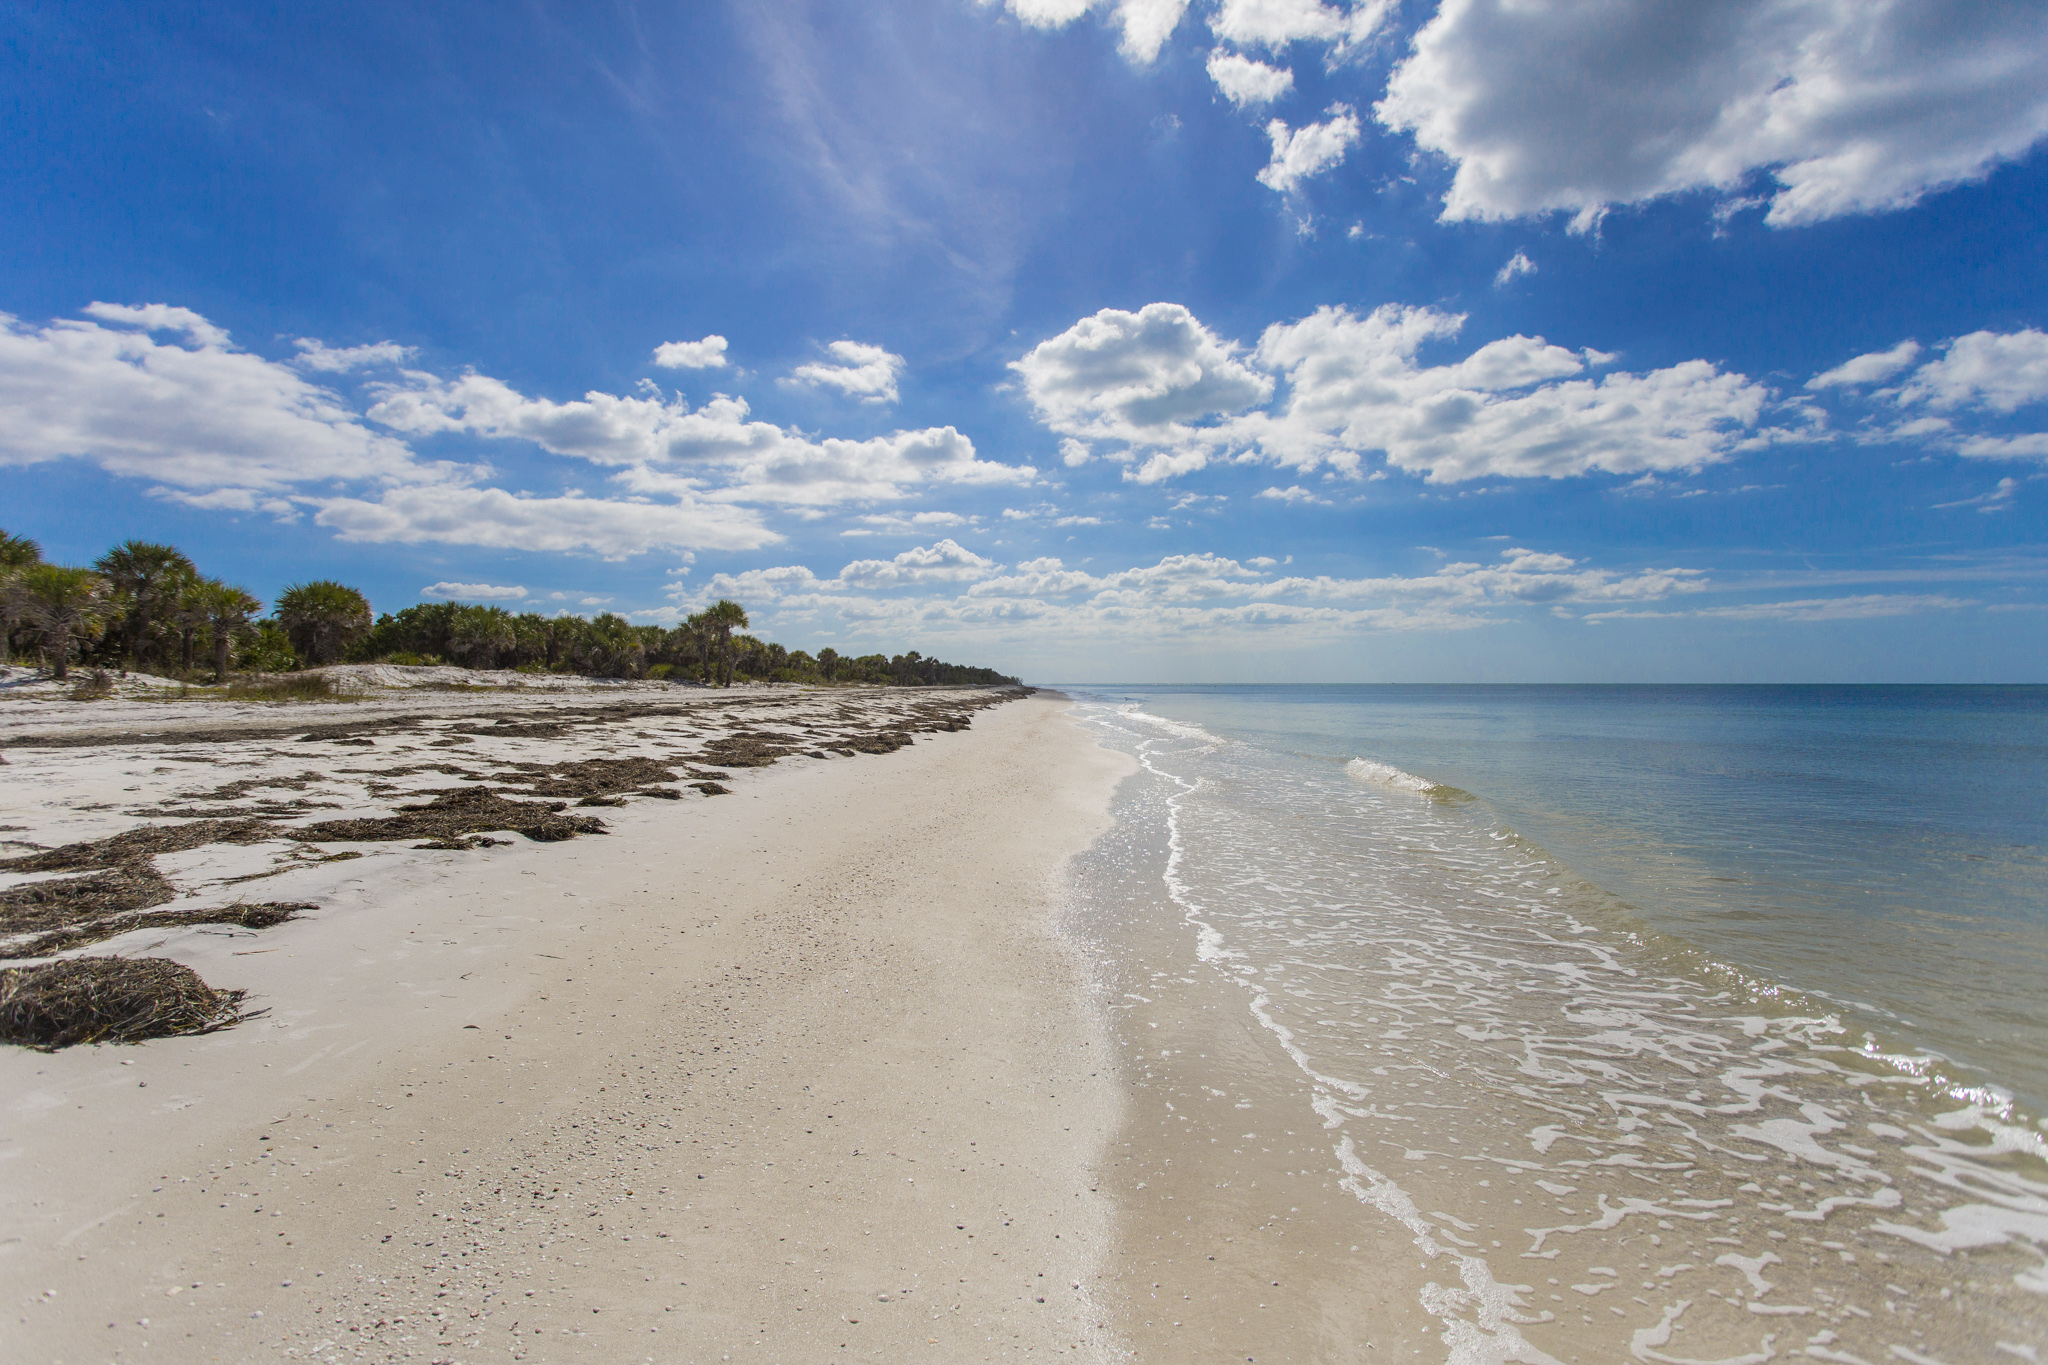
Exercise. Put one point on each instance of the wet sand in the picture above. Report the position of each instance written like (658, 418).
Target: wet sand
(799, 1072)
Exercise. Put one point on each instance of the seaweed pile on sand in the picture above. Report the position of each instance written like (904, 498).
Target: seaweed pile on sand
(450, 818)
(115, 887)
(77, 934)
(109, 1000)
(592, 781)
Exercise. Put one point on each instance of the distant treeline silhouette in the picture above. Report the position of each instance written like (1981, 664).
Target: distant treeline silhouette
(146, 606)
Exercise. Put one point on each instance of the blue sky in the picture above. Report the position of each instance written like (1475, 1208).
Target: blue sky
(1143, 340)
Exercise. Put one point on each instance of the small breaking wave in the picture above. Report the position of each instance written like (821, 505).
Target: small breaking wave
(1178, 729)
(1387, 775)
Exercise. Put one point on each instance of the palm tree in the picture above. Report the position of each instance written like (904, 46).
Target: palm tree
(323, 618)
(226, 609)
(150, 577)
(63, 604)
(187, 615)
(614, 649)
(479, 635)
(16, 554)
(724, 617)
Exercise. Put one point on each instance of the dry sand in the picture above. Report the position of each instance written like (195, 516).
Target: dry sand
(803, 1072)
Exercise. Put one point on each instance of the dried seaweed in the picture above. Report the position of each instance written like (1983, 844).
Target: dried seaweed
(109, 1000)
(235, 791)
(37, 907)
(298, 860)
(590, 777)
(261, 915)
(743, 750)
(519, 729)
(136, 844)
(450, 815)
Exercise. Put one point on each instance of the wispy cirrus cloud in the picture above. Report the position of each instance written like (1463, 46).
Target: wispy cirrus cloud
(1858, 607)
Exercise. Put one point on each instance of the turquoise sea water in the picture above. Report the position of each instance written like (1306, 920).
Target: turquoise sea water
(1743, 983)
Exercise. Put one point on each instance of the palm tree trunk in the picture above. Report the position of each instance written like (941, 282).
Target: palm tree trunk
(61, 639)
(221, 643)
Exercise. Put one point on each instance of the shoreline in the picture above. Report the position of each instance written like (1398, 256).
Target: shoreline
(769, 1074)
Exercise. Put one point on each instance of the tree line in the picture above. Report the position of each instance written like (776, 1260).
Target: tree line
(147, 607)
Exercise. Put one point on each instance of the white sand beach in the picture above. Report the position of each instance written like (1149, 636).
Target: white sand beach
(798, 1072)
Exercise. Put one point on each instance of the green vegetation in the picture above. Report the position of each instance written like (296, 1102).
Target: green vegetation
(67, 607)
(146, 606)
(710, 647)
(323, 619)
(284, 687)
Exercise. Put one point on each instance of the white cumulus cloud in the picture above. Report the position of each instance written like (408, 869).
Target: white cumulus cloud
(1516, 407)
(1274, 24)
(1245, 82)
(1518, 265)
(667, 447)
(1850, 107)
(1293, 496)
(1308, 151)
(474, 592)
(1147, 378)
(1874, 368)
(708, 354)
(191, 411)
(943, 561)
(317, 355)
(1999, 371)
(1177, 396)
(492, 517)
(856, 369)
(159, 392)
(1146, 24)
(1979, 376)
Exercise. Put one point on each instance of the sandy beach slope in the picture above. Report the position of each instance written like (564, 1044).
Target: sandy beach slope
(798, 1072)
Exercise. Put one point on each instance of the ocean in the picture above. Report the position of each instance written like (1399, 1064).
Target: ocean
(1676, 1024)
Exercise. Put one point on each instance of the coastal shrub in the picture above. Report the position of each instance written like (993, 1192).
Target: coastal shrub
(109, 1000)
(285, 687)
(94, 686)
(149, 604)
(267, 649)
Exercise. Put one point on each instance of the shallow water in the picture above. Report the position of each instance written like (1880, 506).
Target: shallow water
(1663, 1029)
